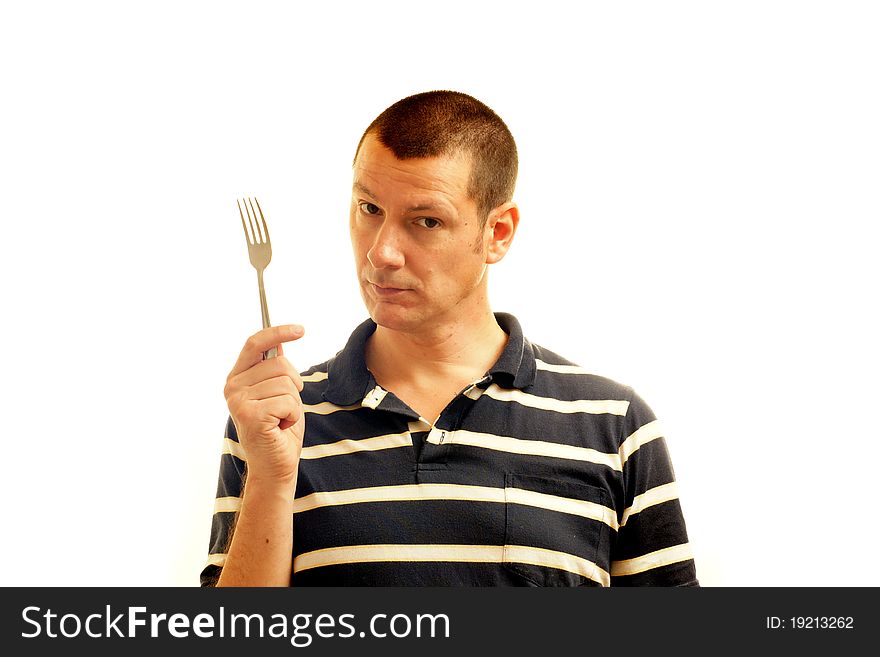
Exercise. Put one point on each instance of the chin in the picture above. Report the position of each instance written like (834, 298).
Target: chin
(393, 316)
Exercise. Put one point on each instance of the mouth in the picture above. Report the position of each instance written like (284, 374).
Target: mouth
(385, 291)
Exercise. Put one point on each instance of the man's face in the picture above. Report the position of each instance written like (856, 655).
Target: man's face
(419, 251)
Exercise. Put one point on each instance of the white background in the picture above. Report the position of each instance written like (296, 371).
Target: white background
(699, 198)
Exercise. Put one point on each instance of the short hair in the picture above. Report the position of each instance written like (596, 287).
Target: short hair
(436, 123)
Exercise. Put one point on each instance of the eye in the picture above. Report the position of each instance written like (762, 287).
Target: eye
(369, 208)
(430, 222)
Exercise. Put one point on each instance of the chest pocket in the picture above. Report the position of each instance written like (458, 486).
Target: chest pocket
(557, 532)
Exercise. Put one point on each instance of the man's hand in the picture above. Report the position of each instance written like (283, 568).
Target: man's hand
(264, 402)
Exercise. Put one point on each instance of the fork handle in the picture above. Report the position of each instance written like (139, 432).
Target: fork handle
(264, 308)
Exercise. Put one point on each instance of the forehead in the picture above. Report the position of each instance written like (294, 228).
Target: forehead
(377, 168)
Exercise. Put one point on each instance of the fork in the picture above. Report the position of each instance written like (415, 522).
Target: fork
(259, 252)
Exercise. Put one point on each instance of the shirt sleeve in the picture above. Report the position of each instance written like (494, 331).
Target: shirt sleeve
(651, 547)
(226, 505)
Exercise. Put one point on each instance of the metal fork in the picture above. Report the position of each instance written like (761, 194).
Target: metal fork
(259, 251)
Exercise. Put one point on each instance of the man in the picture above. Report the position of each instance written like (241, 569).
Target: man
(440, 446)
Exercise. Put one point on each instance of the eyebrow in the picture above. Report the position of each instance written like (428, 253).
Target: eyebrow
(363, 190)
(416, 208)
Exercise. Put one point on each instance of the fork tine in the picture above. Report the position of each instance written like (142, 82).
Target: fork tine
(254, 222)
(258, 237)
(263, 219)
(247, 235)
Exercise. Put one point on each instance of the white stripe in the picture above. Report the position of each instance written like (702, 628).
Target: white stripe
(652, 560)
(340, 447)
(227, 504)
(325, 408)
(451, 553)
(594, 406)
(553, 559)
(234, 448)
(529, 447)
(406, 552)
(404, 493)
(417, 492)
(561, 369)
(641, 436)
(473, 392)
(216, 560)
(314, 377)
(582, 508)
(373, 398)
(656, 495)
(418, 425)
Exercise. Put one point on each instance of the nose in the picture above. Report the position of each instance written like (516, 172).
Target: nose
(386, 251)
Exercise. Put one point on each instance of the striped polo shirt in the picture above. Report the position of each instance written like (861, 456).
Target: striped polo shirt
(537, 474)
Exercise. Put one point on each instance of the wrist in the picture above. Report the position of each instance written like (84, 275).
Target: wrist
(285, 486)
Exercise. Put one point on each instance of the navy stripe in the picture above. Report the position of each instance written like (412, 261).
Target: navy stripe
(411, 522)
(415, 574)
(660, 526)
(647, 468)
(387, 467)
(683, 573)
(351, 425)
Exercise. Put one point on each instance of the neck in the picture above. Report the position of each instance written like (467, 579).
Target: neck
(457, 350)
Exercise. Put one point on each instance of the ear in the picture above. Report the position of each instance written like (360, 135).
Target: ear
(501, 227)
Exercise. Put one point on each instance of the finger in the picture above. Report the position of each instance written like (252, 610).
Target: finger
(266, 369)
(252, 352)
(280, 385)
(287, 423)
(247, 386)
(265, 414)
(297, 379)
(282, 407)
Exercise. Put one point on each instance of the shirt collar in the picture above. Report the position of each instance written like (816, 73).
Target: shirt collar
(349, 380)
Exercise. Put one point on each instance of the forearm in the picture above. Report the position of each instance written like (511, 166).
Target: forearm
(261, 551)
